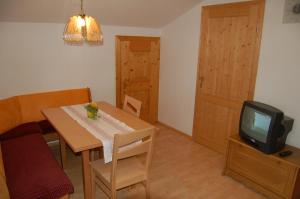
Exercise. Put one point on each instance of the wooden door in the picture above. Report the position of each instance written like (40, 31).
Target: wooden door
(137, 72)
(229, 50)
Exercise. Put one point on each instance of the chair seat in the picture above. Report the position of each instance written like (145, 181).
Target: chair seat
(129, 171)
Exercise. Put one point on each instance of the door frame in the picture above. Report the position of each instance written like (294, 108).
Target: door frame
(118, 71)
(255, 57)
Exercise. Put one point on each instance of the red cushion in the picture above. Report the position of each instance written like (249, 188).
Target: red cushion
(46, 126)
(21, 130)
(31, 169)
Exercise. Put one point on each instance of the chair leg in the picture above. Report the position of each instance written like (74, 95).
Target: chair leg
(93, 183)
(100, 151)
(113, 194)
(63, 152)
(147, 189)
(96, 154)
(92, 155)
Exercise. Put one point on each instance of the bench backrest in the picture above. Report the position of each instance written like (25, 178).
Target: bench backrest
(10, 114)
(27, 108)
(32, 104)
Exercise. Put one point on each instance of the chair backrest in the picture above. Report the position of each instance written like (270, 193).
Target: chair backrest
(132, 106)
(132, 144)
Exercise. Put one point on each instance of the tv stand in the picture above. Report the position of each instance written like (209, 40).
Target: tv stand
(274, 176)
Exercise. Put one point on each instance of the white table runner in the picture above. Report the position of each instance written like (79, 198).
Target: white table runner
(104, 128)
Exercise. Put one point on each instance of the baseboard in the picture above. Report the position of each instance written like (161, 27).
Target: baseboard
(175, 130)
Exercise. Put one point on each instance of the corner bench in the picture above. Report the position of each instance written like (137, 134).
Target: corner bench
(31, 170)
(28, 169)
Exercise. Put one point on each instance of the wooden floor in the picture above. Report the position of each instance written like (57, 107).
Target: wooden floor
(181, 169)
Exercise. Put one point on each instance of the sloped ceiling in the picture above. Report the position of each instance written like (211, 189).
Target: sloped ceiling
(140, 13)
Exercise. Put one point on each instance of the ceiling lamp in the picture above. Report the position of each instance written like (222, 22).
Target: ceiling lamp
(82, 28)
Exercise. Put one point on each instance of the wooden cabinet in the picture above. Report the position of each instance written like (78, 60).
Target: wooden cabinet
(271, 175)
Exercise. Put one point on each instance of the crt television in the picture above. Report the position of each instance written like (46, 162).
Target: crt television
(264, 127)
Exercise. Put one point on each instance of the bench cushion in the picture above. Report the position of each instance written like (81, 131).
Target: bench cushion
(31, 169)
(21, 130)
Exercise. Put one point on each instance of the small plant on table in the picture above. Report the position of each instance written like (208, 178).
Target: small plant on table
(92, 110)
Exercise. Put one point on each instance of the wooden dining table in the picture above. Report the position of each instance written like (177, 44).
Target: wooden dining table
(71, 133)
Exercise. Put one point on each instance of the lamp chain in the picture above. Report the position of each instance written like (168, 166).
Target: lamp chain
(81, 6)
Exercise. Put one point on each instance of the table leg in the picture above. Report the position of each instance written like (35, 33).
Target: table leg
(86, 174)
(63, 152)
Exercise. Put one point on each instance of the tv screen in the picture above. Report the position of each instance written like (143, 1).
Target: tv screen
(256, 124)
(264, 127)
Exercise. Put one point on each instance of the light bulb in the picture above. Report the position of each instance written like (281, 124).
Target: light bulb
(80, 21)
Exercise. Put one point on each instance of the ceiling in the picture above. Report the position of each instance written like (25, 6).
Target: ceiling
(140, 13)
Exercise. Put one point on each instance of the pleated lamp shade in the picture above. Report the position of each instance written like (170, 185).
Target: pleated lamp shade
(82, 28)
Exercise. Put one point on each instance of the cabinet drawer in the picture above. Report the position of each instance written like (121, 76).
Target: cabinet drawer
(270, 173)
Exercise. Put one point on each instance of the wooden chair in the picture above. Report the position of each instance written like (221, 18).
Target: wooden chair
(125, 169)
(132, 106)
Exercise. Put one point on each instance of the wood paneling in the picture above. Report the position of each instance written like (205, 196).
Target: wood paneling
(230, 41)
(137, 72)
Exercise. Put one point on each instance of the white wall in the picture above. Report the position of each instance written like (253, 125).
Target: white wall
(179, 54)
(33, 57)
(178, 70)
(277, 79)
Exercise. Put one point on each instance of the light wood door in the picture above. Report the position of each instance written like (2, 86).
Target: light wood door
(137, 72)
(229, 50)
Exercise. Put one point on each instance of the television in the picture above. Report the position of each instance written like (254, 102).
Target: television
(264, 127)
